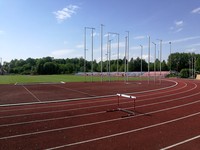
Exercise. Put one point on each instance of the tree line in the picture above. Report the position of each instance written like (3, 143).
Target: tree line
(49, 65)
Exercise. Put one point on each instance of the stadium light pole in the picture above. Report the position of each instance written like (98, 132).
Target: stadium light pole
(118, 57)
(127, 53)
(113, 33)
(102, 52)
(141, 62)
(149, 49)
(85, 52)
(160, 58)
(92, 52)
(154, 63)
(85, 48)
(108, 38)
(170, 44)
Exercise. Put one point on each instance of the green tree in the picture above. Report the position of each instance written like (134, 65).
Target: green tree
(50, 68)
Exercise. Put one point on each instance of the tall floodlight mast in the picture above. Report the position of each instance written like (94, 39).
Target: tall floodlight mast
(113, 33)
(160, 58)
(85, 48)
(170, 44)
(149, 59)
(102, 52)
(125, 56)
(109, 48)
(85, 52)
(154, 63)
(141, 61)
(127, 53)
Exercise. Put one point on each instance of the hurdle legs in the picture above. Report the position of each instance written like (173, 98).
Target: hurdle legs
(129, 112)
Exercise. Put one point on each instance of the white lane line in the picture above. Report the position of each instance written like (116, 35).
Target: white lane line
(93, 102)
(100, 122)
(126, 132)
(87, 98)
(89, 102)
(10, 116)
(100, 112)
(31, 93)
(180, 143)
(77, 91)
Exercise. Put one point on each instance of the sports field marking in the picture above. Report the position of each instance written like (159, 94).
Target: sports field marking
(40, 83)
(180, 143)
(89, 114)
(151, 104)
(127, 132)
(87, 98)
(31, 93)
(171, 94)
(105, 121)
(160, 92)
(74, 90)
(10, 116)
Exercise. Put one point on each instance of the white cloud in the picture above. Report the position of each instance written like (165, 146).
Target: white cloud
(65, 13)
(81, 46)
(190, 50)
(196, 11)
(177, 27)
(195, 45)
(178, 23)
(179, 30)
(139, 37)
(183, 40)
(186, 39)
(65, 53)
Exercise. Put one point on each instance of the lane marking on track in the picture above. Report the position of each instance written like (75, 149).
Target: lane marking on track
(180, 143)
(100, 122)
(89, 114)
(31, 93)
(90, 102)
(126, 132)
(74, 90)
(86, 98)
(90, 107)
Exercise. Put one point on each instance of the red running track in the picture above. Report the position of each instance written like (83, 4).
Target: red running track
(165, 119)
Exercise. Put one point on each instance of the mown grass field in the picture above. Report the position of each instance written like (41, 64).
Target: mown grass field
(13, 79)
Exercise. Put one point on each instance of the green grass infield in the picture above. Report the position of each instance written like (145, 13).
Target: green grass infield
(17, 79)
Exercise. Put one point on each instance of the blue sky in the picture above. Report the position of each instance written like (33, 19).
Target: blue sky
(40, 28)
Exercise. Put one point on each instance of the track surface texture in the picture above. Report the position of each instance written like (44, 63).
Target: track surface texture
(74, 116)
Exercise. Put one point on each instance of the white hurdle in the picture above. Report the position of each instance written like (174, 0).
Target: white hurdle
(122, 109)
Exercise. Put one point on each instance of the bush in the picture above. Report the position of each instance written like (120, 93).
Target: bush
(186, 73)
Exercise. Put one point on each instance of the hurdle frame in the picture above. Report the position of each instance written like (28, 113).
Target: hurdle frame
(129, 112)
